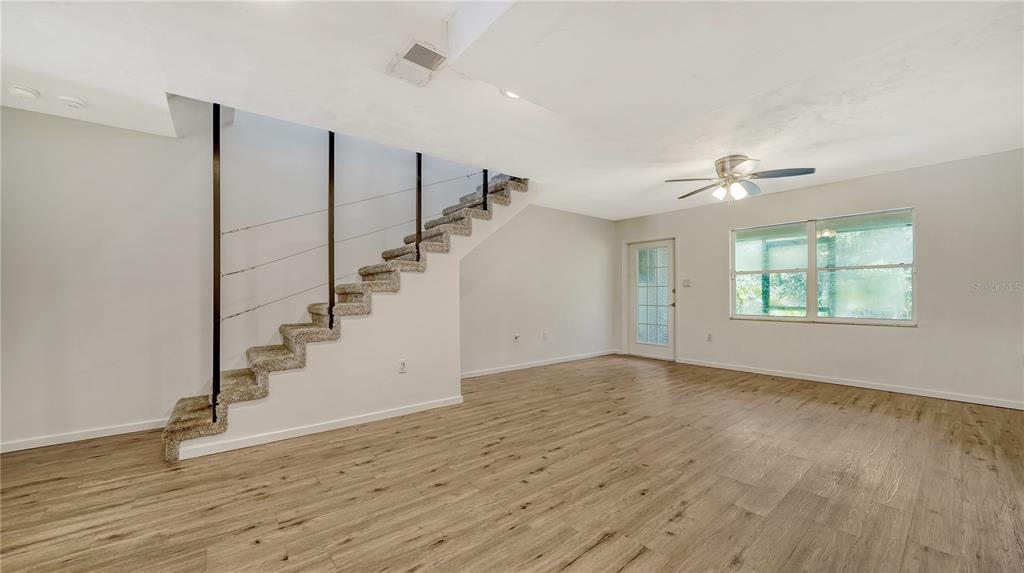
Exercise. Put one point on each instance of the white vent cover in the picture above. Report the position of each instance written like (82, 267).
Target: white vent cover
(423, 56)
(416, 63)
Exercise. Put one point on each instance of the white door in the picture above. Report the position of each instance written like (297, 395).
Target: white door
(652, 300)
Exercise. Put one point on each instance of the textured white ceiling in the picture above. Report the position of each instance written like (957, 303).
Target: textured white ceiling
(616, 96)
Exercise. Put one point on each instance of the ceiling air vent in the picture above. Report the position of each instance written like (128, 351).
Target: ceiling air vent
(416, 63)
(423, 56)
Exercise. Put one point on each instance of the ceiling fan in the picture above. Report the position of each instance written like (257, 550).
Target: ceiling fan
(734, 176)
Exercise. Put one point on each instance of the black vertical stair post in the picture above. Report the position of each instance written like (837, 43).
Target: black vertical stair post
(419, 203)
(485, 190)
(215, 394)
(331, 296)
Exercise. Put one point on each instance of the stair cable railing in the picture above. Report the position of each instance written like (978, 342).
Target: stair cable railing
(330, 244)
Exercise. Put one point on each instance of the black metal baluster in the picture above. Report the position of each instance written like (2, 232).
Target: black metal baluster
(419, 203)
(215, 394)
(331, 296)
(485, 190)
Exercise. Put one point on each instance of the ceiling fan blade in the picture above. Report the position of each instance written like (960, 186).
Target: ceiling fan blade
(772, 173)
(712, 186)
(750, 187)
(675, 180)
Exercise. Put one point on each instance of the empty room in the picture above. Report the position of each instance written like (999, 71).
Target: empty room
(512, 286)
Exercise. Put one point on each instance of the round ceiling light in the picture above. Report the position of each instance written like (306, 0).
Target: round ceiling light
(509, 94)
(72, 102)
(22, 91)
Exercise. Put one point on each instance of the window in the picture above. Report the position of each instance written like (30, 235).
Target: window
(771, 270)
(861, 269)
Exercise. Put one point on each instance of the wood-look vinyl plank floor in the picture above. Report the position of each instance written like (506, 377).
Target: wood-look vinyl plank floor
(616, 464)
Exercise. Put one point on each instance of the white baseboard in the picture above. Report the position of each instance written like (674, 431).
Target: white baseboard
(520, 366)
(196, 450)
(53, 439)
(956, 396)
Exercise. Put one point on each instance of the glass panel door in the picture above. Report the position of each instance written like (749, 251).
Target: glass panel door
(652, 300)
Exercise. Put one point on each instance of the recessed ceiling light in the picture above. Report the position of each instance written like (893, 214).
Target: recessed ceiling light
(22, 91)
(72, 102)
(509, 94)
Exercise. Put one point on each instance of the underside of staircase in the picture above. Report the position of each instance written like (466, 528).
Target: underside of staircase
(193, 416)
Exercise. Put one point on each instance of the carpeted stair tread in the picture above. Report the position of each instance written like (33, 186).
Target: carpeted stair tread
(438, 244)
(382, 286)
(499, 183)
(464, 229)
(458, 216)
(319, 310)
(297, 336)
(493, 198)
(288, 330)
(393, 266)
(273, 358)
(190, 411)
(240, 386)
(353, 288)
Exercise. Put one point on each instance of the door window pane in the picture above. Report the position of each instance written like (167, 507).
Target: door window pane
(652, 296)
(771, 294)
(866, 293)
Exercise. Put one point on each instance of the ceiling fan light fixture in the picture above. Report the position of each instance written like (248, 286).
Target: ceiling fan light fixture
(719, 193)
(737, 191)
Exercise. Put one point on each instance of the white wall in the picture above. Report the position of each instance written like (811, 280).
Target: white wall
(106, 255)
(968, 342)
(546, 271)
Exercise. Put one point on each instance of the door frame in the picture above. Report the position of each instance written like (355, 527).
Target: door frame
(626, 298)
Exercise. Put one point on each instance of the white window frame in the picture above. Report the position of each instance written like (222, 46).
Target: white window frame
(812, 276)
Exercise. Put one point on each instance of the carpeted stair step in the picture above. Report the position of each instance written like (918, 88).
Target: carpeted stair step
(297, 336)
(499, 183)
(393, 280)
(318, 311)
(392, 267)
(275, 358)
(353, 292)
(493, 198)
(192, 417)
(457, 217)
(438, 244)
(464, 229)
(240, 386)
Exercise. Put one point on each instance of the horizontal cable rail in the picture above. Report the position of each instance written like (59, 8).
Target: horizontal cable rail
(322, 245)
(295, 294)
(286, 297)
(340, 205)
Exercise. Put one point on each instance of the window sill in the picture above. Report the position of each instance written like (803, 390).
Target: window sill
(846, 321)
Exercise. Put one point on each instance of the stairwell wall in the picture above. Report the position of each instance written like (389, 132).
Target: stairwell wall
(106, 257)
(550, 277)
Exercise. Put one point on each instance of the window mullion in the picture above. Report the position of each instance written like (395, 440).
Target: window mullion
(812, 272)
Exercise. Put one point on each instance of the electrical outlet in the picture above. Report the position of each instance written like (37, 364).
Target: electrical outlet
(515, 337)
(709, 337)
(545, 335)
(401, 366)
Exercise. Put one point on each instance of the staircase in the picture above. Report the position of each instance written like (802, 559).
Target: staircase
(193, 416)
